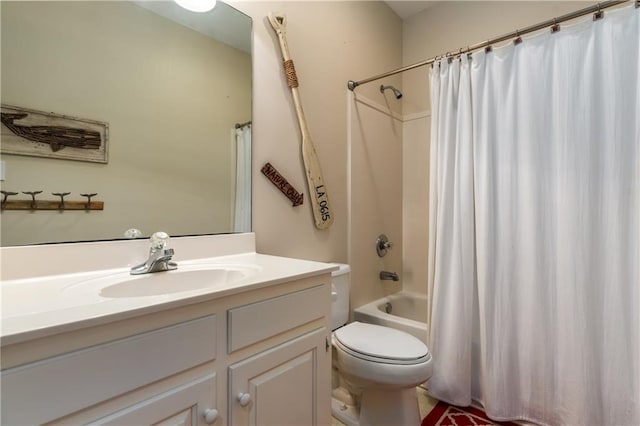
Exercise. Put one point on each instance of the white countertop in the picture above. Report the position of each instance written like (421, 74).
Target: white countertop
(46, 305)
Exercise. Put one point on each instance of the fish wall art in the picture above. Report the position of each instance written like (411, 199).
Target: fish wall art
(45, 134)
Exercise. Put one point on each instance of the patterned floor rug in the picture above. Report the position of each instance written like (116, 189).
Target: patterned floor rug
(444, 414)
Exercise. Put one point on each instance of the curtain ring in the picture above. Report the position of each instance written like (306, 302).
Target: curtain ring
(555, 27)
(489, 48)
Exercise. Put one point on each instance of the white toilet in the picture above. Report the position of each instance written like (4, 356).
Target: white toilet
(375, 368)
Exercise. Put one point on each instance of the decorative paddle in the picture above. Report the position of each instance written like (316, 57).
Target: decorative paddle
(320, 206)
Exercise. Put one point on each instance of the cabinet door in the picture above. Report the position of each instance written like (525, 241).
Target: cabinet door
(191, 404)
(286, 385)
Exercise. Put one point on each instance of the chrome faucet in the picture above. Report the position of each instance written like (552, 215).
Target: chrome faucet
(159, 256)
(386, 275)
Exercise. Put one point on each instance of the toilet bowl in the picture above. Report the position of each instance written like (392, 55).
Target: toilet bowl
(376, 370)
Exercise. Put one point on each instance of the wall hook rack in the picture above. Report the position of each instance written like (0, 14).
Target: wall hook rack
(36, 204)
(5, 195)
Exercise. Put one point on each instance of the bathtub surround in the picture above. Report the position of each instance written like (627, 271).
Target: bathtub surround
(375, 202)
(403, 310)
(551, 215)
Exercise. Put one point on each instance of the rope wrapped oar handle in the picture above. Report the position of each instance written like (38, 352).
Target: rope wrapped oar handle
(290, 73)
(319, 199)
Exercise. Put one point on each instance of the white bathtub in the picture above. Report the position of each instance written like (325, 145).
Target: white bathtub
(406, 311)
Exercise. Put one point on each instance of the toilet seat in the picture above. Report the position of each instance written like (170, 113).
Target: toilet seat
(380, 344)
(363, 355)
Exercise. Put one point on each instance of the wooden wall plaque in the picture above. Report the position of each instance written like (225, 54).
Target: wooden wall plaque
(282, 184)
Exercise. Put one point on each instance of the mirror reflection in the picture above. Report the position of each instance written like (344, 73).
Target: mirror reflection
(170, 95)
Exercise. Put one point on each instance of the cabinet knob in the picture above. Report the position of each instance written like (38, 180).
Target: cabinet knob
(210, 415)
(244, 399)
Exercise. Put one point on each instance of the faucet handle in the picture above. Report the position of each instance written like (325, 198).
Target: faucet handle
(159, 240)
(382, 245)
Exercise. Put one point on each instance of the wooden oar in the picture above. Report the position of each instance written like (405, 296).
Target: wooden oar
(319, 199)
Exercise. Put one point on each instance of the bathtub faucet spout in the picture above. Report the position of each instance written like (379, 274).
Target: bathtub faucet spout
(386, 275)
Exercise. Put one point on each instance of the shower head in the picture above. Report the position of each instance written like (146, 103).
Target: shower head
(396, 92)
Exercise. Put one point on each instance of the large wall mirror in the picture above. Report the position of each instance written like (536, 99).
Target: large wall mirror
(174, 88)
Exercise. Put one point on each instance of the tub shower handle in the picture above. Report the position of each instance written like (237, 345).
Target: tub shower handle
(382, 245)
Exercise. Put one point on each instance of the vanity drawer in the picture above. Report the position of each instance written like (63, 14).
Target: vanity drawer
(254, 322)
(49, 389)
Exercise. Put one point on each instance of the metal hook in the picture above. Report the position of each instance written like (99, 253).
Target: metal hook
(88, 204)
(33, 197)
(555, 27)
(599, 14)
(6, 195)
(518, 39)
(488, 49)
(468, 52)
(61, 195)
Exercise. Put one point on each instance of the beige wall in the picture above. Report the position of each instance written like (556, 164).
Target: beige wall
(331, 43)
(130, 69)
(446, 26)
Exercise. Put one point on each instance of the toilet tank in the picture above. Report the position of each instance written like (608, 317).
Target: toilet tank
(340, 286)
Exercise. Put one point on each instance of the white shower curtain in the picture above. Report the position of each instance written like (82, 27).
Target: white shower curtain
(546, 327)
(242, 215)
(451, 243)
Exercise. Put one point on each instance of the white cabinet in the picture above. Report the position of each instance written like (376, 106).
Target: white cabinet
(260, 357)
(187, 405)
(55, 387)
(279, 386)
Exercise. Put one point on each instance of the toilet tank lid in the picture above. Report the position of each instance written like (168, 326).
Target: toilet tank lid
(343, 269)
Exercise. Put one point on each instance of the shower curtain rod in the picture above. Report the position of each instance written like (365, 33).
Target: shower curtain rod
(240, 125)
(553, 23)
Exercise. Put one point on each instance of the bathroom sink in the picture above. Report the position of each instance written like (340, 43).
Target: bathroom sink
(171, 282)
(183, 279)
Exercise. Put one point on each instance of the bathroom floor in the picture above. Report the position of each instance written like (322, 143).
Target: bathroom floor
(425, 402)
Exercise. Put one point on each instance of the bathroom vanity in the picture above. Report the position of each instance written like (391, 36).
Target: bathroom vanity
(254, 349)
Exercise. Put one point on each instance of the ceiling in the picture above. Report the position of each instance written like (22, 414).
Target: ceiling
(223, 23)
(405, 9)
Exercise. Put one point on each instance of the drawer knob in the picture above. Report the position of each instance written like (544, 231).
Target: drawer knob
(244, 399)
(210, 415)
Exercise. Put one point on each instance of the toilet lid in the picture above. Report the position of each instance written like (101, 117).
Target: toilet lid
(380, 342)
